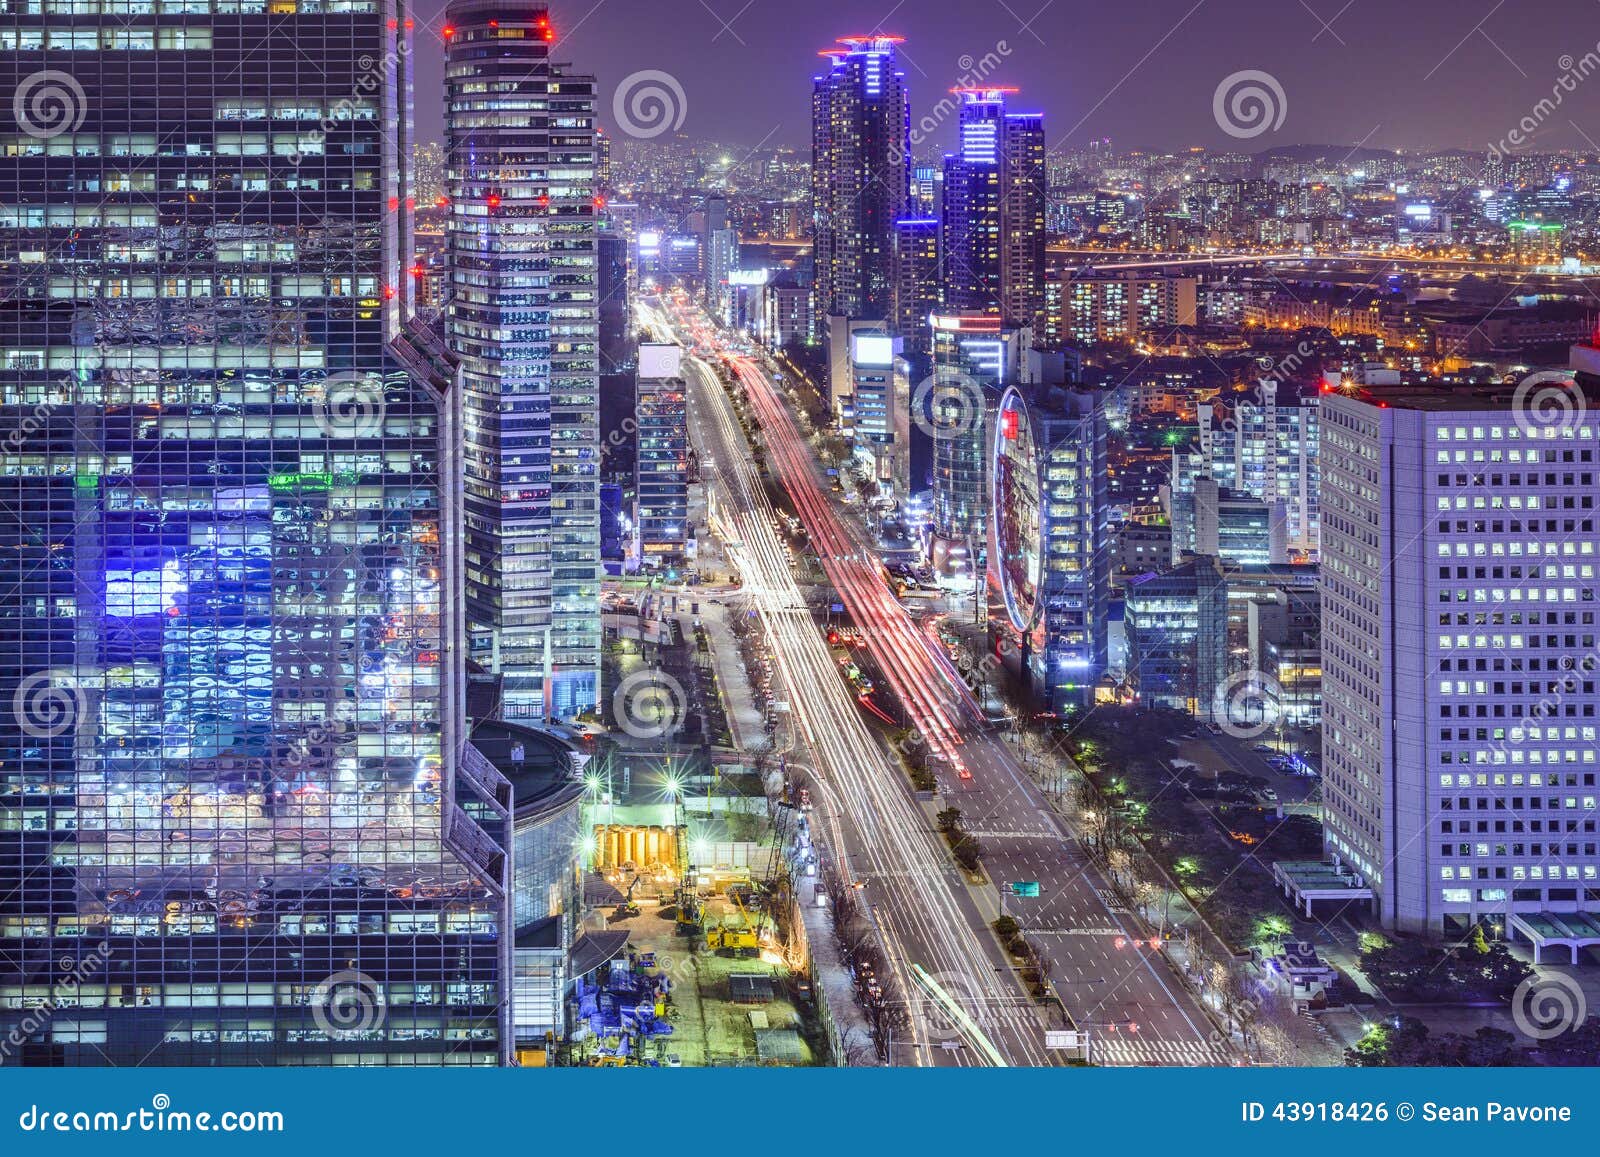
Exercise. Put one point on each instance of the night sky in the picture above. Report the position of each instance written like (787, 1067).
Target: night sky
(1387, 73)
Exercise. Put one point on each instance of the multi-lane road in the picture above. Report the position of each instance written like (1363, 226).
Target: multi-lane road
(883, 840)
(1112, 982)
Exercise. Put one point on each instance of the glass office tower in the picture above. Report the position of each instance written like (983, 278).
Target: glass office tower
(232, 829)
(524, 324)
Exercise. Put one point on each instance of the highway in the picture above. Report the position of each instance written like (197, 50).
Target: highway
(866, 815)
(1111, 982)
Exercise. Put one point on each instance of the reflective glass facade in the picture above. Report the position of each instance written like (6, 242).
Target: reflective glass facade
(229, 809)
(524, 324)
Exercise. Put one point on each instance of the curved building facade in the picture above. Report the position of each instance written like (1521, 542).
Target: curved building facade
(1047, 471)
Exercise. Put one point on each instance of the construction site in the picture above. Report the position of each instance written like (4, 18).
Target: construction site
(693, 864)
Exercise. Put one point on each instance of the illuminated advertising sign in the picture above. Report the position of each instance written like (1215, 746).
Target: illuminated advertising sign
(872, 349)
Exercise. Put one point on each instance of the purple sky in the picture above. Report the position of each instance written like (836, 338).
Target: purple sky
(1390, 73)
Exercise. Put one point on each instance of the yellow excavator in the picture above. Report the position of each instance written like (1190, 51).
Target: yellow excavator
(736, 941)
(690, 917)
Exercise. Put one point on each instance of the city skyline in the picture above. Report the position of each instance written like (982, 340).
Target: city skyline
(952, 590)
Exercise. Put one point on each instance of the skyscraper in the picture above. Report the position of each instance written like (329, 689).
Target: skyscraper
(661, 471)
(235, 810)
(994, 201)
(860, 175)
(719, 248)
(1458, 642)
(916, 280)
(524, 324)
(974, 358)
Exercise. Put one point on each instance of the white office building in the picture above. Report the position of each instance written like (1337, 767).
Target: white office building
(1458, 658)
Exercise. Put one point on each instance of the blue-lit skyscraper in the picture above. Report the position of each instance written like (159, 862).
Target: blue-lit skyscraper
(524, 324)
(994, 201)
(234, 815)
(860, 175)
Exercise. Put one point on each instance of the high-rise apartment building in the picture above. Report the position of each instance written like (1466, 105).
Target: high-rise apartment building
(860, 175)
(1458, 653)
(1118, 309)
(1265, 442)
(916, 281)
(524, 326)
(240, 815)
(994, 201)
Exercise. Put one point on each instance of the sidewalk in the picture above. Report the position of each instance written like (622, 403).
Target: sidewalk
(745, 720)
(850, 1036)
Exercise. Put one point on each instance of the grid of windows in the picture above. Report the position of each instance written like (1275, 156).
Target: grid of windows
(524, 323)
(226, 659)
(1459, 639)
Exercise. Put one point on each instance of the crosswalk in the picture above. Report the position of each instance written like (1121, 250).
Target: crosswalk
(1126, 1051)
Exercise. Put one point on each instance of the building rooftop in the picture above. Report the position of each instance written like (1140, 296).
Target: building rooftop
(544, 777)
(1486, 396)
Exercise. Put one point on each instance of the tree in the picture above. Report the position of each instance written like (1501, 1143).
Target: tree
(1578, 1047)
(1477, 944)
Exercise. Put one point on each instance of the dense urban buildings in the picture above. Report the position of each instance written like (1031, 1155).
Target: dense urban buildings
(524, 325)
(523, 593)
(234, 763)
